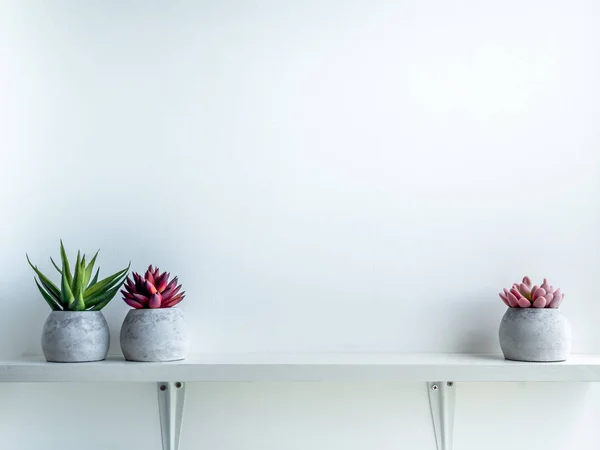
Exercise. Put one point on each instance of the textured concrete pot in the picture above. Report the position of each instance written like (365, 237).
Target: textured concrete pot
(75, 336)
(535, 334)
(155, 335)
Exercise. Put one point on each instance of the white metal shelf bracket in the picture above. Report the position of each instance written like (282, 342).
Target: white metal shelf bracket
(170, 408)
(442, 399)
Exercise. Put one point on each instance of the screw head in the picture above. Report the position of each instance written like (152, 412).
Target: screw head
(178, 385)
(450, 383)
(434, 387)
(163, 387)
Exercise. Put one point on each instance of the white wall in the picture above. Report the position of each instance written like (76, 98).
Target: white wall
(323, 175)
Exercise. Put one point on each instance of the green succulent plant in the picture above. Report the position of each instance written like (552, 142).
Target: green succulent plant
(78, 291)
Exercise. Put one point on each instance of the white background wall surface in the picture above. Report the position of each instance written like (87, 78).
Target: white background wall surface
(323, 176)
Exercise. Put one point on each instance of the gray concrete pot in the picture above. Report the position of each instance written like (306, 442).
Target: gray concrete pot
(75, 336)
(535, 334)
(155, 335)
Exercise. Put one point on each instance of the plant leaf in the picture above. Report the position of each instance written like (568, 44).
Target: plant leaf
(49, 290)
(106, 283)
(89, 269)
(55, 266)
(49, 285)
(78, 286)
(95, 279)
(97, 297)
(51, 302)
(133, 303)
(78, 274)
(100, 300)
(66, 293)
(78, 305)
(65, 263)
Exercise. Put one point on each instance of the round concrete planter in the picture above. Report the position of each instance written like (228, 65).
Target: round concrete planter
(535, 334)
(155, 335)
(75, 336)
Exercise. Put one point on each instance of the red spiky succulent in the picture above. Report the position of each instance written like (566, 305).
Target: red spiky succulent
(153, 290)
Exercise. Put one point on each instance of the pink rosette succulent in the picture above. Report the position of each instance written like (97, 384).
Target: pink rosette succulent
(526, 295)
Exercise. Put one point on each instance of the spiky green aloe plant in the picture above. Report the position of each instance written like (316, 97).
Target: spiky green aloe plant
(78, 290)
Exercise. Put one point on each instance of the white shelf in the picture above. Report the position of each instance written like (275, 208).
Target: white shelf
(439, 370)
(308, 367)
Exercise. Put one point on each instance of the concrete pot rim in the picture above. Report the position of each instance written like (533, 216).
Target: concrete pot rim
(154, 310)
(75, 312)
(537, 310)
